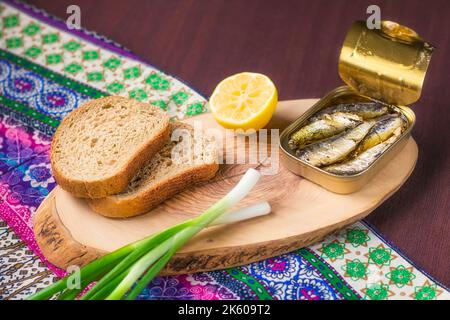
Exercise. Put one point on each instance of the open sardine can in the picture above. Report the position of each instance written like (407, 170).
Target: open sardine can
(386, 65)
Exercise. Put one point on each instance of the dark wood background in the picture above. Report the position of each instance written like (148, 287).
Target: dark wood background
(297, 43)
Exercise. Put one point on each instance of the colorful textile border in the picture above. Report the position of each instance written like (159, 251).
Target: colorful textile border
(45, 72)
(112, 70)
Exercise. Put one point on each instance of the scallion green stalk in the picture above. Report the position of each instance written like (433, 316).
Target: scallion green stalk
(140, 249)
(138, 263)
(243, 187)
(90, 271)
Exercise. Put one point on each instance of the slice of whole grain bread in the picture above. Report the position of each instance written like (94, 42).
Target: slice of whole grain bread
(100, 146)
(189, 160)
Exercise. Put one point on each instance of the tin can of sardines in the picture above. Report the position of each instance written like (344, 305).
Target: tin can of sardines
(344, 140)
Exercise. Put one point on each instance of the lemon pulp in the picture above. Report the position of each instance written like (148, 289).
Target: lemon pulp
(244, 101)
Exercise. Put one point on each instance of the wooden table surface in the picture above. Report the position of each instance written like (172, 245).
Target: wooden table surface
(297, 43)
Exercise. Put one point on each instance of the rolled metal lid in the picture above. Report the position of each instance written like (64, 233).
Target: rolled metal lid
(387, 64)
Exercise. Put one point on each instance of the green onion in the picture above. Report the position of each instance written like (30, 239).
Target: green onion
(125, 272)
(253, 211)
(90, 271)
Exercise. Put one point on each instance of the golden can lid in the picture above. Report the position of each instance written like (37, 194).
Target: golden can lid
(387, 64)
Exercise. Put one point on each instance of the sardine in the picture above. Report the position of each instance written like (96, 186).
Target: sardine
(364, 160)
(381, 131)
(329, 125)
(336, 148)
(368, 110)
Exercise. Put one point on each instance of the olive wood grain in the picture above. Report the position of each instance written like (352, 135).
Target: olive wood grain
(69, 233)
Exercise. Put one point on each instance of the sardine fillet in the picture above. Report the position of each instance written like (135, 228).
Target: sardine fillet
(335, 148)
(367, 110)
(363, 161)
(325, 127)
(383, 129)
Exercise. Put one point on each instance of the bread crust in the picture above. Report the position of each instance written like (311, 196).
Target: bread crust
(119, 181)
(125, 206)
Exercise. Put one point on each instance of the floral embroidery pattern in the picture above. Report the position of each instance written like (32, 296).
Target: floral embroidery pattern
(377, 291)
(357, 237)
(355, 269)
(428, 291)
(36, 91)
(401, 276)
(86, 62)
(334, 250)
(380, 256)
(39, 175)
(308, 289)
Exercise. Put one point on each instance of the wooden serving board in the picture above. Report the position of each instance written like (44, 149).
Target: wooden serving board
(69, 233)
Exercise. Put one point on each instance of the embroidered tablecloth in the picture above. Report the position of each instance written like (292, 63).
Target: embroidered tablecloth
(46, 71)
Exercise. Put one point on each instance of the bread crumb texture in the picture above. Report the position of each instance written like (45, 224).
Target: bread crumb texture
(186, 150)
(98, 139)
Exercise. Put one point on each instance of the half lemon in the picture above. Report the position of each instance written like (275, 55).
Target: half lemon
(244, 101)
